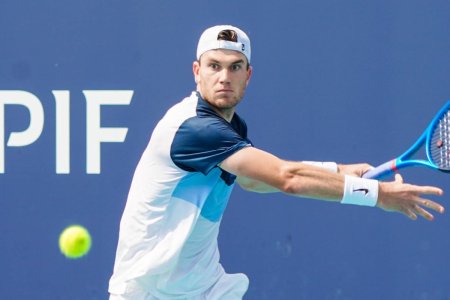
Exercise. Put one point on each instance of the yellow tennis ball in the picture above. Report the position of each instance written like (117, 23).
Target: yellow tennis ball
(75, 241)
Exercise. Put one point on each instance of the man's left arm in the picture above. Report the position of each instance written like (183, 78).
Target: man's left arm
(252, 185)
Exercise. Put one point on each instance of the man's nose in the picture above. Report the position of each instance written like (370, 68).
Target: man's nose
(224, 76)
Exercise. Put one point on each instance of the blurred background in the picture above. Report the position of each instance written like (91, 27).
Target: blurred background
(346, 81)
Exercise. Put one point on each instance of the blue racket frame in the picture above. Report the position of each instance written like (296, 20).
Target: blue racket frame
(403, 160)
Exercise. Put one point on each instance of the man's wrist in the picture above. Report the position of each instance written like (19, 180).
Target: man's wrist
(360, 191)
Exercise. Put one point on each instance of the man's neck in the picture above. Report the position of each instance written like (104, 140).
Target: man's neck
(225, 113)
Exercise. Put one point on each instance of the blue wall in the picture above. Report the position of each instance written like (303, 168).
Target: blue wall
(349, 81)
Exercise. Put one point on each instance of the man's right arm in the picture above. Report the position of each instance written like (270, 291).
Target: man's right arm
(308, 181)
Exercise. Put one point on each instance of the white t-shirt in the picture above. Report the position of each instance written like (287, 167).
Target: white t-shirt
(169, 228)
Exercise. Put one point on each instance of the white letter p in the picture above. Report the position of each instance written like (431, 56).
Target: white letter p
(29, 135)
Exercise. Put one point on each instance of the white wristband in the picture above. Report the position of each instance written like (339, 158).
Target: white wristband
(329, 165)
(360, 191)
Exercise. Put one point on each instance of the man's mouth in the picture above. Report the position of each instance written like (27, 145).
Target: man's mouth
(224, 91)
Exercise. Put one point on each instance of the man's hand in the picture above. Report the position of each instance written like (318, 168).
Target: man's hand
(354, 170)
(405, 198)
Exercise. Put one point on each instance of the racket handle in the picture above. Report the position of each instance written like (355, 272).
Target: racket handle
(382, 170)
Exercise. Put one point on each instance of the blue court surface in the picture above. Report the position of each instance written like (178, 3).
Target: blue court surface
(345, 81)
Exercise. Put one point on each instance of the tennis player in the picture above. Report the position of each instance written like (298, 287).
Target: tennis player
(167, 245)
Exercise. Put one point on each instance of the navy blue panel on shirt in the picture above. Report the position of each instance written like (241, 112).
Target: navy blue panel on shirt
(204, 141)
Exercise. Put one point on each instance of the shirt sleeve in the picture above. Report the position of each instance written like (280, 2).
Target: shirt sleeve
(200, 144)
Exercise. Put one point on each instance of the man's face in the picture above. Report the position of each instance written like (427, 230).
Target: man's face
(221, 77)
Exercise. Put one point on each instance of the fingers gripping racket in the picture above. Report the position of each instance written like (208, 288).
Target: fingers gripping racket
(436, 139)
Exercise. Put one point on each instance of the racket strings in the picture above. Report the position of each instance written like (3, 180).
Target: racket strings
(440, 142)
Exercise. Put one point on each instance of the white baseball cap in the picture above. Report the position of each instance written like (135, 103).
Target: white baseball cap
(208, 41)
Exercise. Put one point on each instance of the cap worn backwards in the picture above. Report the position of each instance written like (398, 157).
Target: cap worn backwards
(209, 41)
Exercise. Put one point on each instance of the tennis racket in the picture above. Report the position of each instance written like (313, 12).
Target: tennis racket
(436, 139)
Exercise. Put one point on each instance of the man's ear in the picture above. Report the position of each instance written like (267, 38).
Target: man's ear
(249, 75)
(196, 70)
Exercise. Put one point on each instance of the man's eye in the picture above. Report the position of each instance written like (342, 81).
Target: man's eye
(236, 67)
(214, 66)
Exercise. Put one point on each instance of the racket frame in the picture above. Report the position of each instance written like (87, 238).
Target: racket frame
(403, 160)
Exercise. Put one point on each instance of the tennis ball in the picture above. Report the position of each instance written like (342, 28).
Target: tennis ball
(75, 241)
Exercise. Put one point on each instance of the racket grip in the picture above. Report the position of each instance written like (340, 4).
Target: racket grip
(381, 171)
